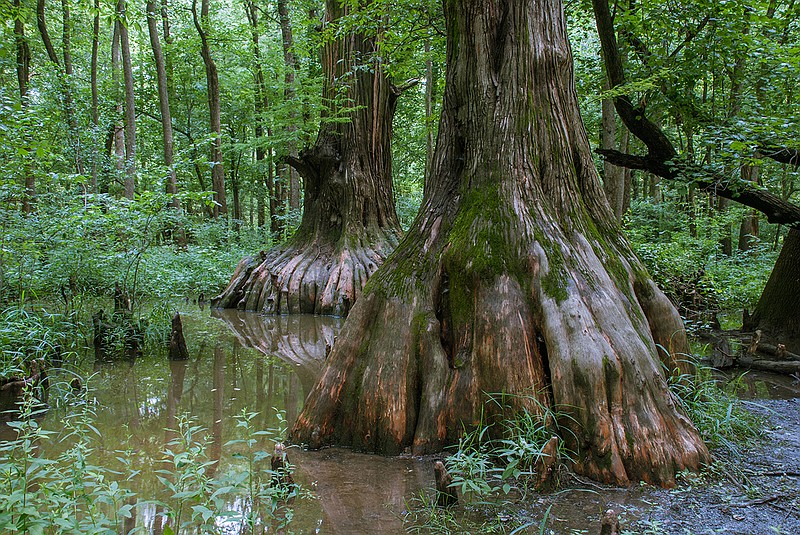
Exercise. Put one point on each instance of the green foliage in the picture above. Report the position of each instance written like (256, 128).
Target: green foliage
(26, 336)
(498, 458)
(75, 491)
(80, 247)
(715, 410)
(691, 267)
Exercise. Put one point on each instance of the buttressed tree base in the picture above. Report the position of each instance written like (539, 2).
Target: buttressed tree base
(514, 278)
(349, 224)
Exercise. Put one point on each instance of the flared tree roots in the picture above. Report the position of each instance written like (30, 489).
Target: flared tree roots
(308, 277)
(514, 279)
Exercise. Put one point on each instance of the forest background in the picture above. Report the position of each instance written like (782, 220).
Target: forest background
(91, 194)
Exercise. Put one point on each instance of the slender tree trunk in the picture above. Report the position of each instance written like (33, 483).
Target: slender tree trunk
(748, 228)
(276, 198)
(23, 77)
(613, 176)
(215, 120)
(349, 223)
(261, 103)
(513, 279)
(119, 105)
(163, 102)
(776, 312)
(289, 95)
(165, 26)
(130, 104)
(95, 93)
(725, 241)
(64, 74)
(430, 88)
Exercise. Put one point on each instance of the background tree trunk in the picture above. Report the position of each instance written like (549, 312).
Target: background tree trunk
(748, 228)
(263, 167)
(215, 121)
(349, 223)
(776, 312)
(23, 77)
(119, 105)
(64, 73)
(95, 93)
(613, 176)
(290, 64)
(130, 103)
(163, 102)
(512, 279)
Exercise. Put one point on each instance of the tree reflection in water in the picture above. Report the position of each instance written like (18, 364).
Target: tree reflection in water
(239, 363)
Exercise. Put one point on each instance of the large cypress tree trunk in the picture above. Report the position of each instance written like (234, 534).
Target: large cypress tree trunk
(349, 223)
(776, 312)
(514, 278)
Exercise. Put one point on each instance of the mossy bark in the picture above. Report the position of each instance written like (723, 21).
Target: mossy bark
(349, 223)
(514, 278)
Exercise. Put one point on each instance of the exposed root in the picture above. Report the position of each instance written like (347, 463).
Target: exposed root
(305, 278)
(588, 351)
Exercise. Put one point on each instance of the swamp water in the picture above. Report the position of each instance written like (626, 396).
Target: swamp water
(241, 362)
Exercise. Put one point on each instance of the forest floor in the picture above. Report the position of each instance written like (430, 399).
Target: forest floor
(752, 490)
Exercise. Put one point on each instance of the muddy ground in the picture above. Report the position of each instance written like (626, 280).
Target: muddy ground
(752, 491)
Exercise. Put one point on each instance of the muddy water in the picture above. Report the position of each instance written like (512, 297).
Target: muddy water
(245, 362)
(241, 362)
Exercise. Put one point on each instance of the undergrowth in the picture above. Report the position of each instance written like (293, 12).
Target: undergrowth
(717, 412)
(73, 489)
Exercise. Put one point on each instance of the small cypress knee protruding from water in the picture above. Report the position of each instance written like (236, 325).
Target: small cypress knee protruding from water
(610, 523)
(281, 475)
(445, 494)
(177, 343)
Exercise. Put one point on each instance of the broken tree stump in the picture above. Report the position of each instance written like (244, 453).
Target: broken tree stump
(281, 474)
(609, 525)
(177, 343)
(545, 467)
(445, 494)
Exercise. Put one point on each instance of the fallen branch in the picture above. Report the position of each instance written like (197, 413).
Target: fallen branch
(758, 501)
(780, 474)
(787, 367)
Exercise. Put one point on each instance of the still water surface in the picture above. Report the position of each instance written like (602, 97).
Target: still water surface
(241, 361)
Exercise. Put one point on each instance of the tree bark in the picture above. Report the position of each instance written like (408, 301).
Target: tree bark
(215, 120)
(129, 117)
(23, 77)
(513, 279)
(776, 312)
(163, 103)
(95, 92)
(290, 65)
(349, 223)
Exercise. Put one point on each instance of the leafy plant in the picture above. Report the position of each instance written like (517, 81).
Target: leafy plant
(717, 412)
